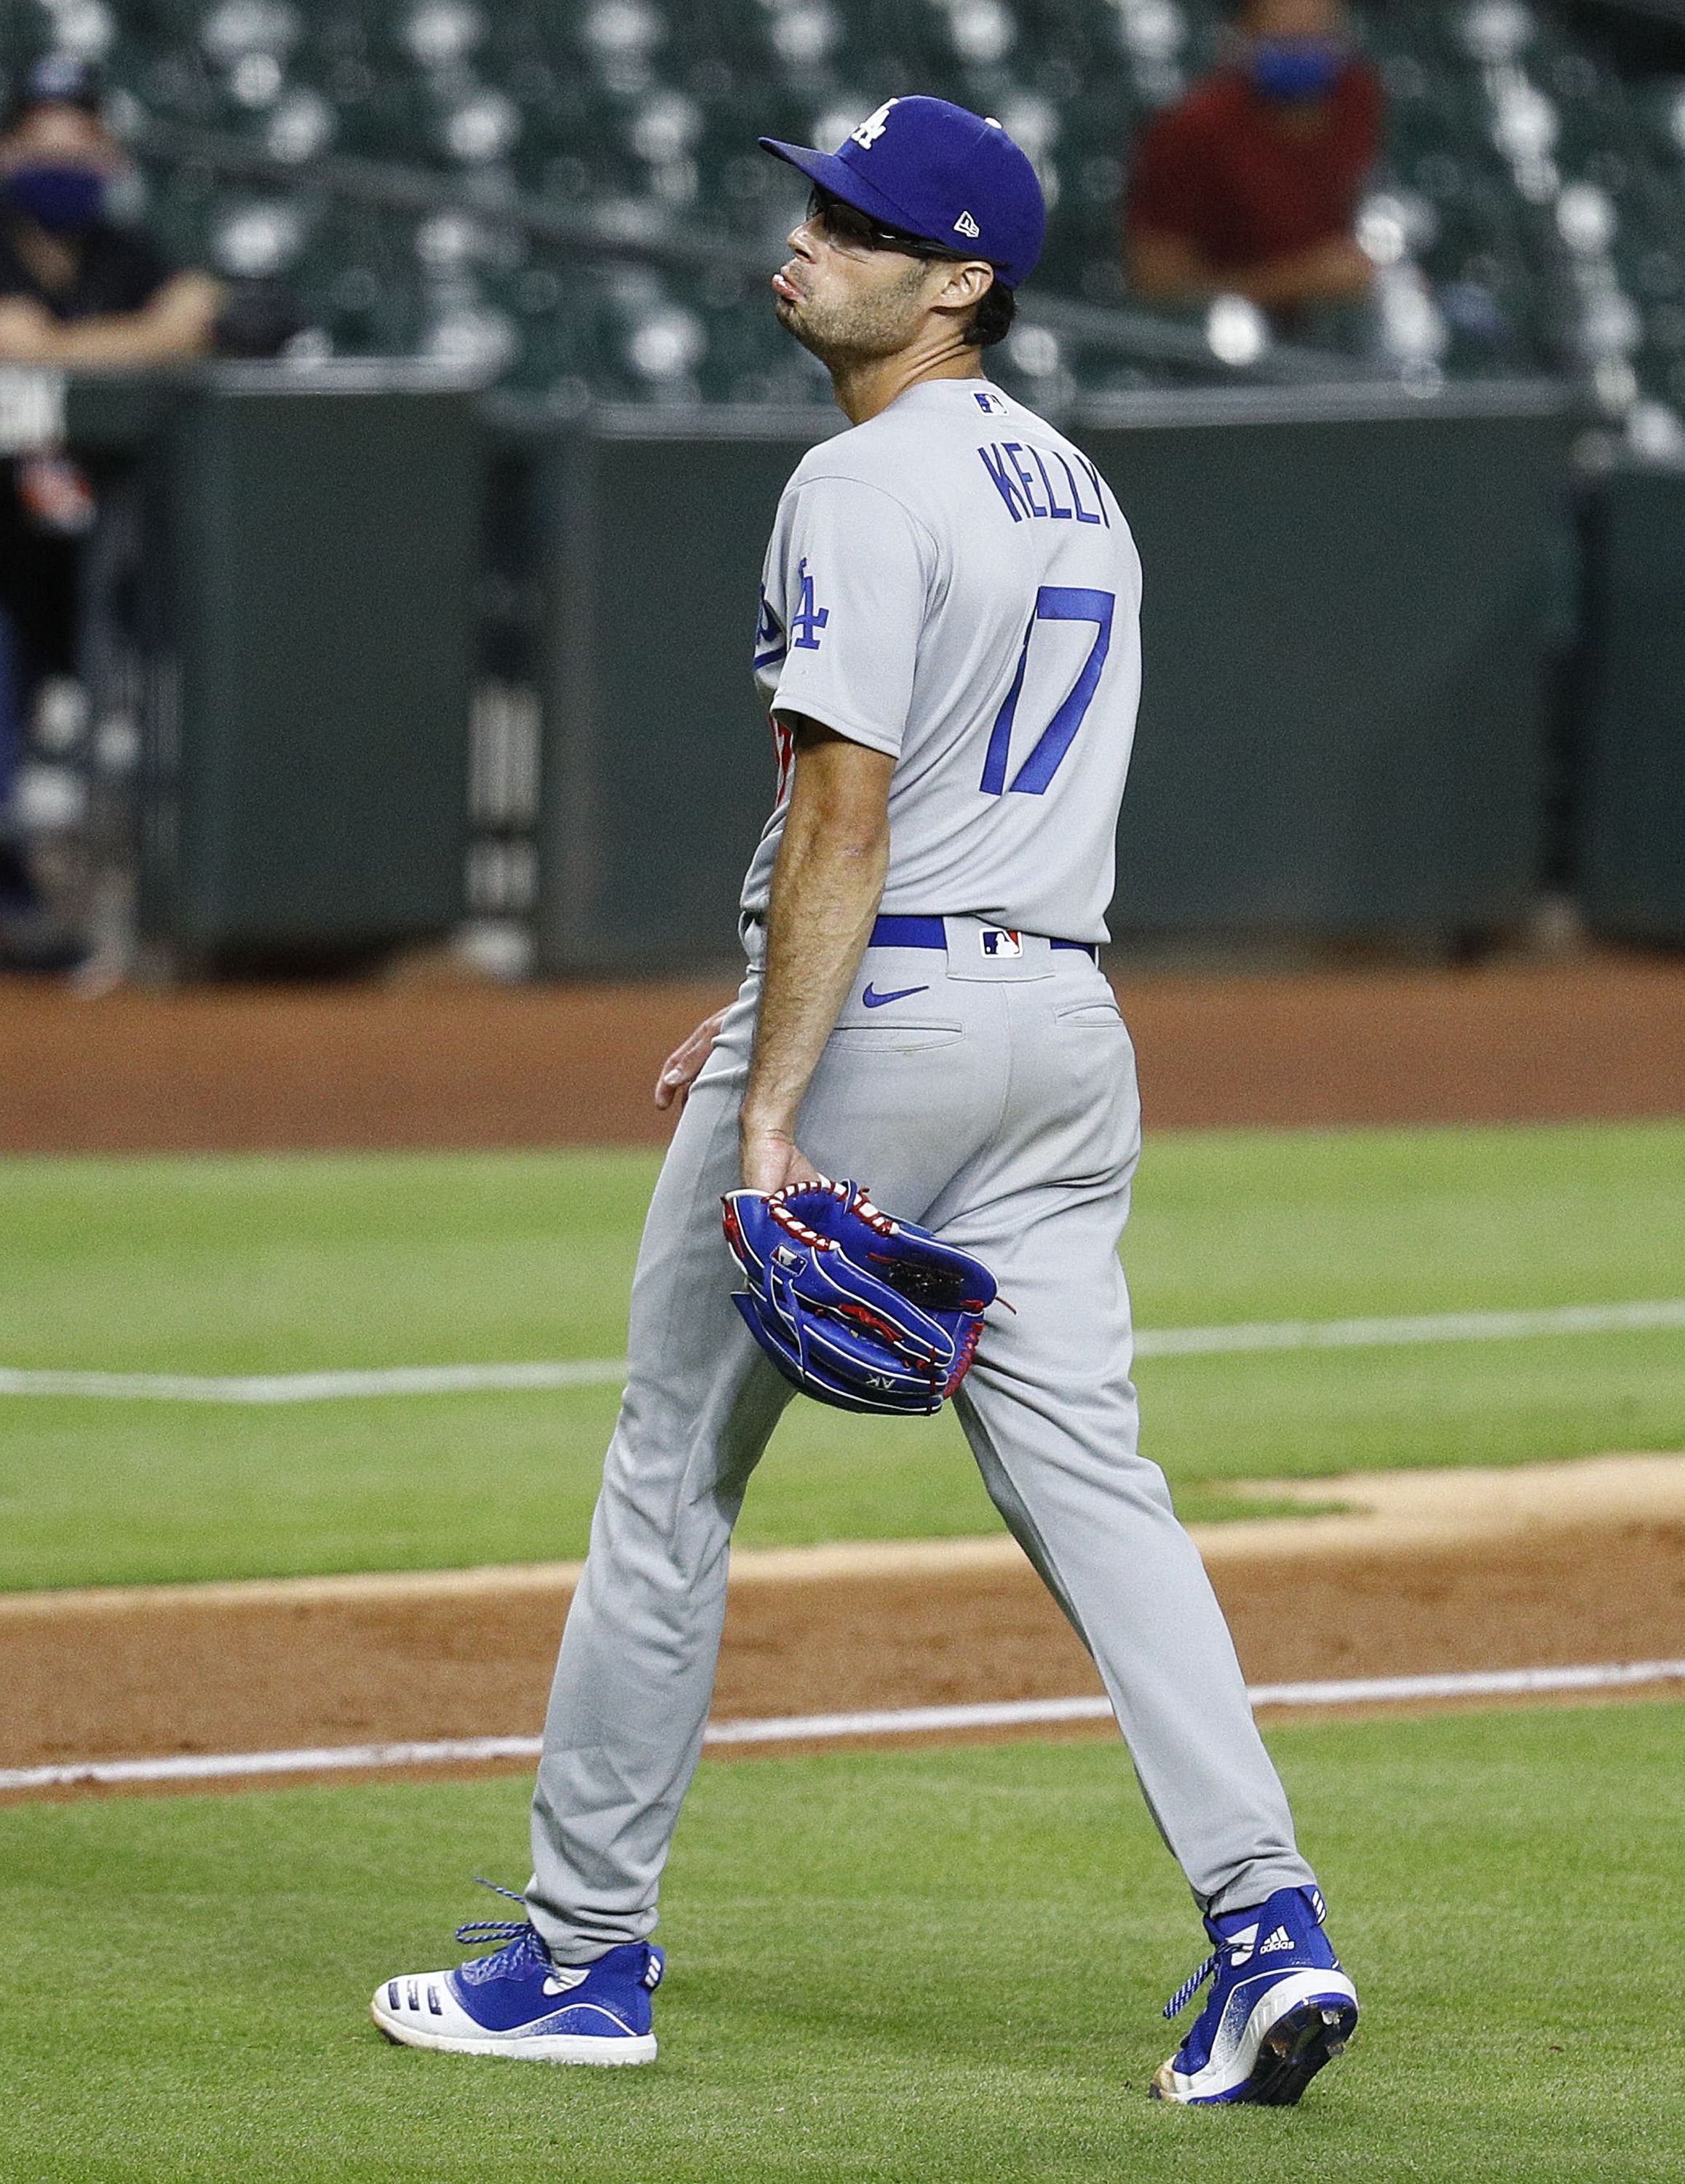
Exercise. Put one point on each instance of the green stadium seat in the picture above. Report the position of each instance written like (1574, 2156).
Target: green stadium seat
(1496, 109)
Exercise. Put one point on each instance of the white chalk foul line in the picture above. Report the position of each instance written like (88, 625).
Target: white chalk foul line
(821, 1728)
(1425, 1326)
(610, 1372)
(317, 1387)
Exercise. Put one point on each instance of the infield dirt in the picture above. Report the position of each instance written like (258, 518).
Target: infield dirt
(464, 1066)
(1558, 1564)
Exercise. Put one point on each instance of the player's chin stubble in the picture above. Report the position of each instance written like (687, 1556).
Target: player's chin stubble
(856, 329)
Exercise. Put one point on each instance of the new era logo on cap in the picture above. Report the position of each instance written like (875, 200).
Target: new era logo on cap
(967, 227)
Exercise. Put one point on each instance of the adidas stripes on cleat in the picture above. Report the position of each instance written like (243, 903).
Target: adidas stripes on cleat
(518, 2002)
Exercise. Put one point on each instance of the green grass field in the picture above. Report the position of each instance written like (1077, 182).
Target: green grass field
(280, 1265)
(924, 1966)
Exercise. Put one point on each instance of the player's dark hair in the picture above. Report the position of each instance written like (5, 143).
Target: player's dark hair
(992, 320)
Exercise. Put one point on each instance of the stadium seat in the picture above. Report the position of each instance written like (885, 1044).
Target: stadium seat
(1532, 194)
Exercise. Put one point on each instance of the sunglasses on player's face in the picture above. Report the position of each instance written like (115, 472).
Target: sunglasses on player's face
(847, 229)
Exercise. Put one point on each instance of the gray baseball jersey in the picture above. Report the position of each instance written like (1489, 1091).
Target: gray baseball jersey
(953, 584)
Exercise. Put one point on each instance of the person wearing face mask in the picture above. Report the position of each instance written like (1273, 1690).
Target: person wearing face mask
(1250, 185)
(77, 289)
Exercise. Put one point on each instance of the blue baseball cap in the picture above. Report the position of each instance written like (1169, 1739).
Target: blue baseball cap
(935, 171)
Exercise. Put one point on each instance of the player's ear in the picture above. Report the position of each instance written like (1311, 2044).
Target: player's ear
(965, 286)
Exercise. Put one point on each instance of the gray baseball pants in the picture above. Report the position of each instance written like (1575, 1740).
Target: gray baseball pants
(996, 1103)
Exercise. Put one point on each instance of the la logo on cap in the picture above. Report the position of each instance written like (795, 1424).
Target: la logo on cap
(873, 126)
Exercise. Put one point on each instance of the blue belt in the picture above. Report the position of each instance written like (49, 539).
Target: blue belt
(931, 933)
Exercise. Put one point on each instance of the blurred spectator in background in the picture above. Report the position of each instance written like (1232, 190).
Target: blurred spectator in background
(76, 288)
(1250, 185)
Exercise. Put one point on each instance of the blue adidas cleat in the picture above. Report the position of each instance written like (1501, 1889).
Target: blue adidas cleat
(1280, 2007)
(518, 2002)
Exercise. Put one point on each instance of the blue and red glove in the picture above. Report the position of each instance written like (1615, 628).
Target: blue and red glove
(854, 1308)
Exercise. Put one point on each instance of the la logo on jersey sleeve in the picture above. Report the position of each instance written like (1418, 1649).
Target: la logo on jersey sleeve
(809, 618)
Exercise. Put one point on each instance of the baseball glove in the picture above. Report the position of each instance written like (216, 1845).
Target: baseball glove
(865, 1312)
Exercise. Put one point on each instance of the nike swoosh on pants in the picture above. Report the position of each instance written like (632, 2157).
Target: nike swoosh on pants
(875, 1001)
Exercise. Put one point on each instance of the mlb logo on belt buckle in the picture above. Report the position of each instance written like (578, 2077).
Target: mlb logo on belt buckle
(1001, 940)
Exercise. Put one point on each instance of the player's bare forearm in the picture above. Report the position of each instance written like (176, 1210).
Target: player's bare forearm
(826, 887)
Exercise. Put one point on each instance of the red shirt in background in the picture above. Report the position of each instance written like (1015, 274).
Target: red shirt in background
(1222, 171)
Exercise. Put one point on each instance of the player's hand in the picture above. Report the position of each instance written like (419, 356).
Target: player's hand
(683, 1066)
(772, 1158)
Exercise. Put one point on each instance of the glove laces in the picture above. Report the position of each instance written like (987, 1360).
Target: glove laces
(1190, 1986)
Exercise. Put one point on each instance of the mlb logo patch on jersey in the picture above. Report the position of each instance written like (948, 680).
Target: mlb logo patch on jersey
(991, 404)
(1001, 940)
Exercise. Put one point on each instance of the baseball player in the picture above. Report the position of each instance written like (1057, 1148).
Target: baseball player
(948, 645)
